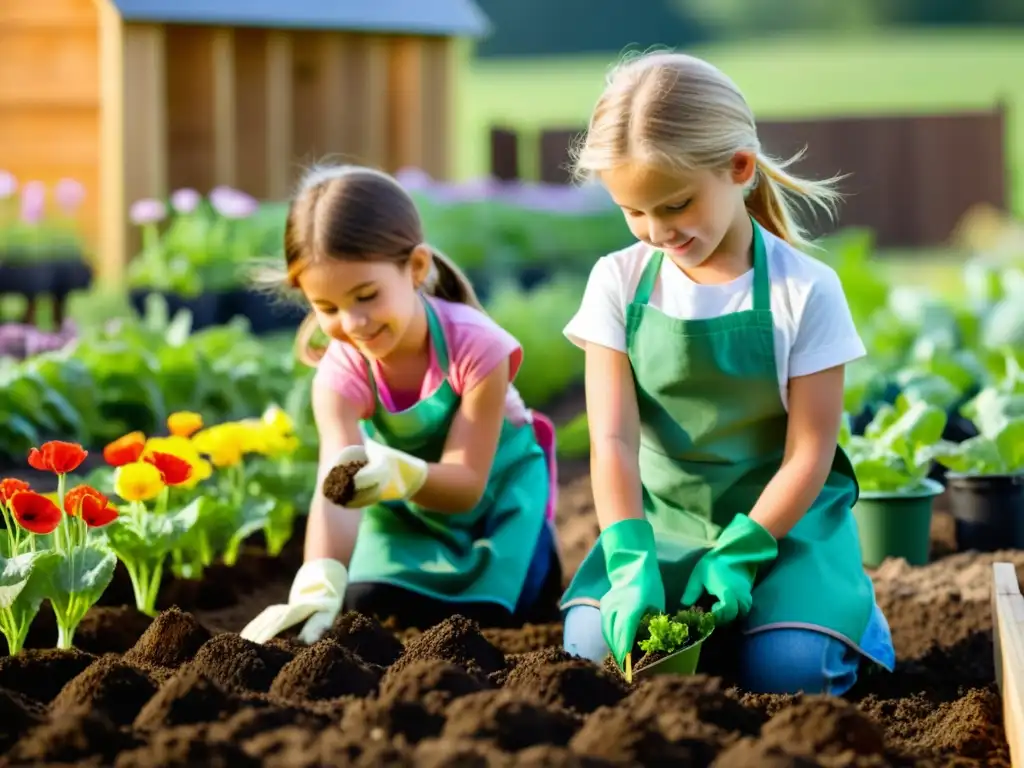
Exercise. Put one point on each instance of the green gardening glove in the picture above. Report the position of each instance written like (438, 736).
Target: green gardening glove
(728, 569)
(631, 560)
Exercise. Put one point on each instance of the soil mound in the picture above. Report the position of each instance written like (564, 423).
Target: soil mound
(699, 698)
(188, 697)
(576, 684)
(111, 629)
(238, 664)
(110, 686)
(509, 721)
(613, 733)
(71, 738)
(324, 670)
(173, 638)
(17, 714)
(366, 638)
(432, 683)
(185, 747)
(40, 674)
(456, 640)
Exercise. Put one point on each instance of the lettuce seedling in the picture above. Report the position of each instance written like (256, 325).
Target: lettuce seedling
(667, 634)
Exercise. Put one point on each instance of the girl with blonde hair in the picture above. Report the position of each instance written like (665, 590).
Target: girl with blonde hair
(452, 509)
(715, 352)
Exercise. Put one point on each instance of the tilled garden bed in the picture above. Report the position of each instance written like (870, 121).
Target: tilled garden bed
(185, 690)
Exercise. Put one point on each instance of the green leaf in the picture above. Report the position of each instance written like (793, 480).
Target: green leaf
(976, 455)
(253, 516)
(1009, 442)
(23, 581)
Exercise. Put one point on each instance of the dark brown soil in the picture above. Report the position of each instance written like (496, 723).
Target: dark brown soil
(185, 690)
(339, 485)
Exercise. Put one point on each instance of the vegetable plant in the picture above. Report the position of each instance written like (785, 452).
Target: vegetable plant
(998, 449)
(664, 634)
(896, 451)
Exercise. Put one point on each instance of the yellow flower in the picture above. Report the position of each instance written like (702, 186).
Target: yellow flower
(138, 481)
(276, 419)
(184, 423)
(222, 443)
(184, 449)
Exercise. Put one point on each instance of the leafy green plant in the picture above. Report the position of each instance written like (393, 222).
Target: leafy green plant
(998, 449)
(896, 451)
(668, 633)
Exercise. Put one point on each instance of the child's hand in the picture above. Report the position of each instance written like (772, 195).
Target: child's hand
(389, 475)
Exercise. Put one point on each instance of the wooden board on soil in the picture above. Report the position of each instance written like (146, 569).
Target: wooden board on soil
(1008, 614)
(185, 690)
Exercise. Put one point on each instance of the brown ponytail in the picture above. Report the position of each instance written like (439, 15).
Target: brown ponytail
(446, 281)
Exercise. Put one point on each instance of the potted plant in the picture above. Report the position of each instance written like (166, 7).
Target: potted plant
(986, 472)
(670, 643)
(892, 460)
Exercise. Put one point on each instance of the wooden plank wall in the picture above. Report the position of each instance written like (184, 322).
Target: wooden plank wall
(50, 95)
(911, 178)
(253, 108)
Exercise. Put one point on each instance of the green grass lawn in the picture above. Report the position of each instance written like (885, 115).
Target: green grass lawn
(825, 75)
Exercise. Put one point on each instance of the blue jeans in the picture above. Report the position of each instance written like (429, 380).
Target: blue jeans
(772, 661)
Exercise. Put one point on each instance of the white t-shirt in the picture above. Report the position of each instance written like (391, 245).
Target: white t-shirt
(813, 326)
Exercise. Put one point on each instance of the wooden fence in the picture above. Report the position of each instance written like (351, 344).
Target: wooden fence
(911, 178)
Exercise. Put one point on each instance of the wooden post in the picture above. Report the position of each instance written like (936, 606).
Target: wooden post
(111, 264)
(406, 108)
(371, 78)
(279, 115)
(225, 128)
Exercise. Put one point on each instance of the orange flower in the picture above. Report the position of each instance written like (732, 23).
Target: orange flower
(34, 512)
(184, 423)
(57, 456)
(10, 486)
(74, 497)
(125, 450)
(97, 510)
(173, 469)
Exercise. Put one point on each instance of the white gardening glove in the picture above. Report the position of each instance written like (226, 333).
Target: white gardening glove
(316, 594)
(389, 475)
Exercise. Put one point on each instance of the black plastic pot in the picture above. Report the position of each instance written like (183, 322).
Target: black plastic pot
(26, 278)
(205, 307)
(988, 511)
(533, 276)
(70, 274)
(266, 313)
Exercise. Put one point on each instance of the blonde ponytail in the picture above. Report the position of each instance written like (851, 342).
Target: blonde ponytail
(772, 201)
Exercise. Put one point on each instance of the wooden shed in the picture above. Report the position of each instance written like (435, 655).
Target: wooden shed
(136, 98)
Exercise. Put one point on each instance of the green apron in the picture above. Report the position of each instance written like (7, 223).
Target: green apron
(478, 556)
(713, 433)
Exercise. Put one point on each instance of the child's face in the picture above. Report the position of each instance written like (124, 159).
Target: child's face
(686, 216)
(369, 304)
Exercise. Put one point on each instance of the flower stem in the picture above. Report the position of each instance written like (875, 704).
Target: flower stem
(65, 636)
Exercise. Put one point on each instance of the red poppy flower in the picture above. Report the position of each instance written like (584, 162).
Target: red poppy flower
(10, 486)
(35, 513)
(97, 510)
(57, 456)
(125, 450)
(173, 470)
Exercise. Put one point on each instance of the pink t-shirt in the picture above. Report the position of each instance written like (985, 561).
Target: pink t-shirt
(475, 345)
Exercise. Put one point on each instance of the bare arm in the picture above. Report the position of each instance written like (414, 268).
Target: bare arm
(614, 422)
(457, 482)
(330, 529)
(815, 413)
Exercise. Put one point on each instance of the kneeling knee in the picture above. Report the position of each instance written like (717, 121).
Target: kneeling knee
(790, 661)
(583, 635)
